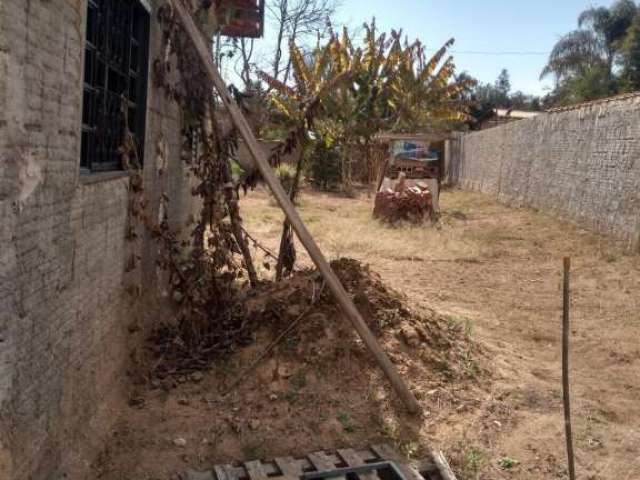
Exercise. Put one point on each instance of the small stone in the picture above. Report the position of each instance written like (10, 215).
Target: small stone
(177, 296)
(282, 372)
(167, 384)
(137, 402)
(273, 397)
(294, 310)
(317, 317)
(411, 336)
(180, 442)
(497, 423)
(254, 424)
(197, 377)
(183, 401)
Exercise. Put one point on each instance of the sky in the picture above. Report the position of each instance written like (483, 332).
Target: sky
(490, 34)
(525, 29)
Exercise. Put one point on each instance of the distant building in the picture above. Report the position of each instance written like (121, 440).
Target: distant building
(499, 116)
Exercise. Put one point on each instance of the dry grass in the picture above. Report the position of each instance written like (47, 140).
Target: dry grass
(501, 268)
(497, 271)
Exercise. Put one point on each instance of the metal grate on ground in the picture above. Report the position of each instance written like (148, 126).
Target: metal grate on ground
(341, 464)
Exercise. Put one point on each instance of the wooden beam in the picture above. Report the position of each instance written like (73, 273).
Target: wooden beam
(443, 466)
(205, 53)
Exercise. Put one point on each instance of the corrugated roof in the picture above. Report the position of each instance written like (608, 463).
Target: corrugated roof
(577, 106)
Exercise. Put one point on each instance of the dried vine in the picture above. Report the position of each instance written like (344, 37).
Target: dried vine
(207, 266)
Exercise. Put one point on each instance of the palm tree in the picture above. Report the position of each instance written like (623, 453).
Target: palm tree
(591, 49)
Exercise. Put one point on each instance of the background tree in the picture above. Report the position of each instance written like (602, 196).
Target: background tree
(297, 106)
(503, 85)
(584, 62)
(295, 21)
(630, 57)
(394, 87)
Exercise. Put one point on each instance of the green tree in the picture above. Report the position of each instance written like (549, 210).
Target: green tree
(630, 61)
(503, 83)
(297, 107)
(583, 61)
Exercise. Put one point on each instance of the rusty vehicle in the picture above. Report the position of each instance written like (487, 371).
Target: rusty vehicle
(409, 184)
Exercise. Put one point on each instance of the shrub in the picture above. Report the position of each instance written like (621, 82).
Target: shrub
(286, 173)
(324, 167)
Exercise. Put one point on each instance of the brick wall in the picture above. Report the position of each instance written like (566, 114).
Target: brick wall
(65, 314)
(582, 164)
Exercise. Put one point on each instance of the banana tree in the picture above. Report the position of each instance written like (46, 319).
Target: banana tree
(395, 87)
(298, 106)
(425, 93)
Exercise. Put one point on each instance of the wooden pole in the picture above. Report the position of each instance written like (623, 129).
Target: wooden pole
(566, 329)
(204, 52)
(443, 466)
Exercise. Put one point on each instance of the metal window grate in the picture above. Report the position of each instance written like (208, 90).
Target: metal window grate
(116, 63)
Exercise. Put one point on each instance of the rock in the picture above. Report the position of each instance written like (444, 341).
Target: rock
(317, 317)
(180, 442)
(273, 397)
(294, 310)
(167, 384)
(197, 377)
(177, 296)
(411, 336)
(254, 424)
(183, 401)
(282, 371)
(137, 402)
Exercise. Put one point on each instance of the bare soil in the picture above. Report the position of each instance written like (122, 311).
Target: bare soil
(484, 284)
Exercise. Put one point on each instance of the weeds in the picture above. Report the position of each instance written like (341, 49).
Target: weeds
(468, 460)
(507, 463)
(253, 446)
(346, 421)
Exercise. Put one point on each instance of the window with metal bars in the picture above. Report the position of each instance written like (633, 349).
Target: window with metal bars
(115, 79)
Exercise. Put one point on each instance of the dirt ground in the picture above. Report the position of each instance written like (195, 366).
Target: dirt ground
(489, 274)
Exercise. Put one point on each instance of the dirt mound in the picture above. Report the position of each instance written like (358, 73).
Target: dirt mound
(303, 305)
(305, 381)
(300, 317)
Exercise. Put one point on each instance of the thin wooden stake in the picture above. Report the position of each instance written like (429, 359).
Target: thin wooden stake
(566, 329)
(204, 52)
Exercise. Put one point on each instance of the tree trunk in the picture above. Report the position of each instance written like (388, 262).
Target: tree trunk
(347, 182)
(278, 56)
(236, 226)
(287, 252)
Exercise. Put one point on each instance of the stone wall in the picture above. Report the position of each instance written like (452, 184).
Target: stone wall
(582, 164)
(68, 317)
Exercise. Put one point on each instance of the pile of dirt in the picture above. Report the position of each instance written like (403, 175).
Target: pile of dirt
(301, 315)
(305, 382)
(303, 307)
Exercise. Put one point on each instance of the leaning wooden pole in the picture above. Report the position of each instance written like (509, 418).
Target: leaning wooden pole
(269, 176)
(566, 329)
